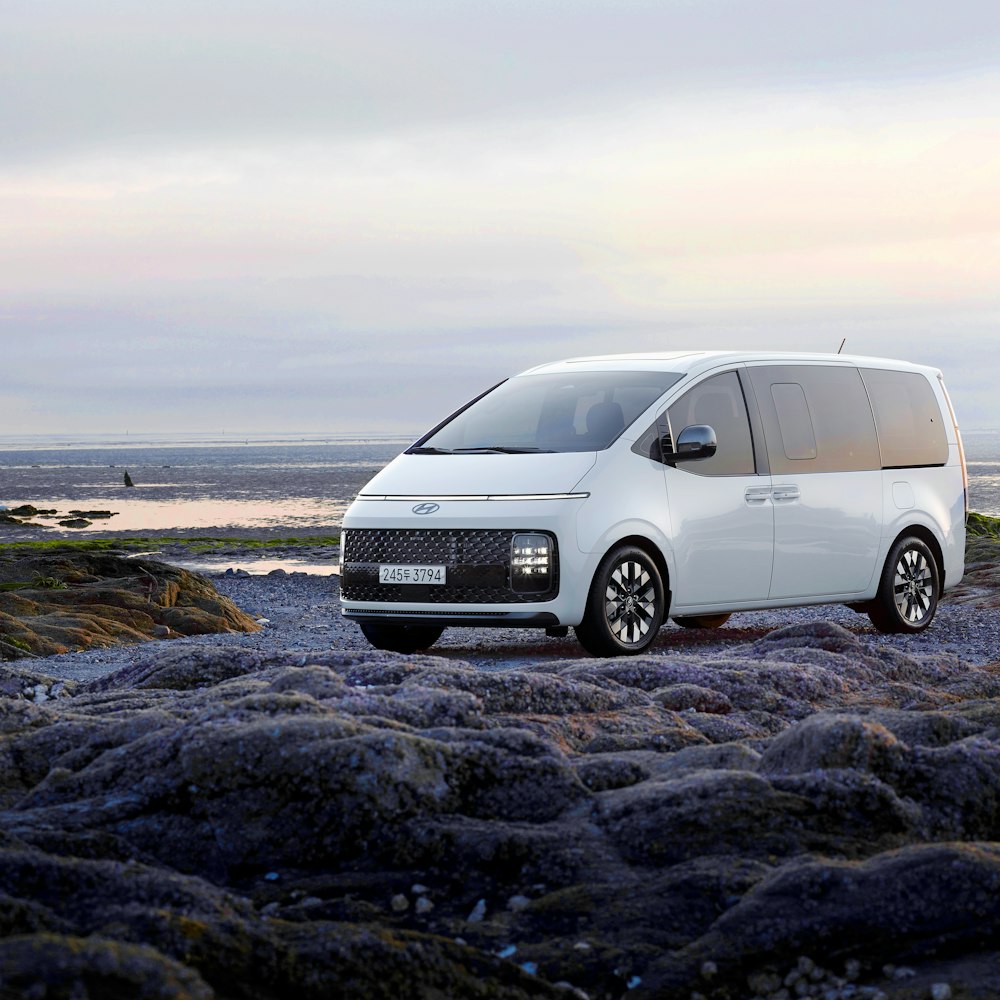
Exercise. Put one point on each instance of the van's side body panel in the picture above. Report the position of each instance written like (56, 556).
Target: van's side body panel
(776, 535)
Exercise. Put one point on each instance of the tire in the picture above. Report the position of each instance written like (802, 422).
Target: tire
(626, 604)
(701, 621)
(909, 589)
(401, 638)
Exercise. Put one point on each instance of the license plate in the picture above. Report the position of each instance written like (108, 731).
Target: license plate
(412, 574)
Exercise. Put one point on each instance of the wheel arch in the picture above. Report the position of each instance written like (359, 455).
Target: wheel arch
(927, 536)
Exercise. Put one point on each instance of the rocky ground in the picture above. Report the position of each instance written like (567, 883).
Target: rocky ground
(806, 810)
(56, 602)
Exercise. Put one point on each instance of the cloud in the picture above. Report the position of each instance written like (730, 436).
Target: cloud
(102, 74)
(220, 212)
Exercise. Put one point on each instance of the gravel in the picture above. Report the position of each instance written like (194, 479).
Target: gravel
(302, 612)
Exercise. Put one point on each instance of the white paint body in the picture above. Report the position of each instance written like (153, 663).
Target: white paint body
(729, 543)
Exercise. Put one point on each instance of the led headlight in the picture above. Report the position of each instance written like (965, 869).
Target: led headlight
(531, 560)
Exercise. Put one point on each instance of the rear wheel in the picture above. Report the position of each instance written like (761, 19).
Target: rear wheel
(626, 605)
(909, 589)
(701, 621)
(401, 638)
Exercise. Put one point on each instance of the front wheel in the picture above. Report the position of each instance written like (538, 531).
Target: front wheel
(626, 604)
(401, 638)
(909, 589)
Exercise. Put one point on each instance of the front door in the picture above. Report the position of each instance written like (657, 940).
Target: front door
(721, 516)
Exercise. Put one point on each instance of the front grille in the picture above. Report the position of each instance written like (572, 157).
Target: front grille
(478, 563)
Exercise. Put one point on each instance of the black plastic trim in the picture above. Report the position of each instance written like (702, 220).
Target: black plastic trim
(492, 619)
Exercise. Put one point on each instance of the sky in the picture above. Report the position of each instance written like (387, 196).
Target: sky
(351, 217)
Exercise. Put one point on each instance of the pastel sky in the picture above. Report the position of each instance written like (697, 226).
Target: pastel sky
(348, 217)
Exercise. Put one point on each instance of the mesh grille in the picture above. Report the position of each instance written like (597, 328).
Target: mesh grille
(478, 564)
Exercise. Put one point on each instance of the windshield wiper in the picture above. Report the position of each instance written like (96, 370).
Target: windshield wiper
(504, 449)
(423, 450)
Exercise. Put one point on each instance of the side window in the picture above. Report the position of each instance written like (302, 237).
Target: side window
(817, 418)
(718, 402)
(798, 439)
(910, 427)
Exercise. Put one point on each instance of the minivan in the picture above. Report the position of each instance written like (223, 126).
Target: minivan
(610, 493)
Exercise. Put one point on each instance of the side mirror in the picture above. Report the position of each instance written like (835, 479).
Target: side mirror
(695, 441)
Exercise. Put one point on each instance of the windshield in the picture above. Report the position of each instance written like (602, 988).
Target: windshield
(568, 411)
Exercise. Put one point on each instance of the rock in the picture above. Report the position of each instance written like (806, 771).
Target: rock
(75, 522)
(69, 966)
(680, 697)
(82, 600)
(361, 823)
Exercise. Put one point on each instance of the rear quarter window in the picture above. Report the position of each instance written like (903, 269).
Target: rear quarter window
(910, 425)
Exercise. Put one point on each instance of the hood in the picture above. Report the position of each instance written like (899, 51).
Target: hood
(481, 475)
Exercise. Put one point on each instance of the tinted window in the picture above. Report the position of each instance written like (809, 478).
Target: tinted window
(910, 428)
(798, 440)
(841, 429)
(718, 402)
(572, 411)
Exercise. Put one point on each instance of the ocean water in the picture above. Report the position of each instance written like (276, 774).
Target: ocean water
(299, 482)
(295, 482)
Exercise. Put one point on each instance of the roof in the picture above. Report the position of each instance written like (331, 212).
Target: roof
(698, 361)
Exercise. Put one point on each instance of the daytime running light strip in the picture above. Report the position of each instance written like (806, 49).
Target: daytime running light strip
(494, 496)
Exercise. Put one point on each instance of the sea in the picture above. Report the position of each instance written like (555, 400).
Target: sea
(293, 482)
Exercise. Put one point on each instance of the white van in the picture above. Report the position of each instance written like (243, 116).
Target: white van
(608, 493)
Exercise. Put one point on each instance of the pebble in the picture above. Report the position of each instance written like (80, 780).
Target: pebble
(518, 903)
(399, 903)
(295, 604)
(423, 905)
(941, 991)
(709, 970)
(478, 912)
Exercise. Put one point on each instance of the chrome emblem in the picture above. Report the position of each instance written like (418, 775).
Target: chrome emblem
(426, 508)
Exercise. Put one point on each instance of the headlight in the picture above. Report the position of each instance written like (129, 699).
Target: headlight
(531, 563)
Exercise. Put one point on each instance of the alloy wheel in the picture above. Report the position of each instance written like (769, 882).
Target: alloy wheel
(913, 586)
(630, 602)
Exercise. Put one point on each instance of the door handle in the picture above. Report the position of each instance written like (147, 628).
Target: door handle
(757, 495)
(786, 493)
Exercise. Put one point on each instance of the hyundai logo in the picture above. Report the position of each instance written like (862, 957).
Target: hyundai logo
(426, 508)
